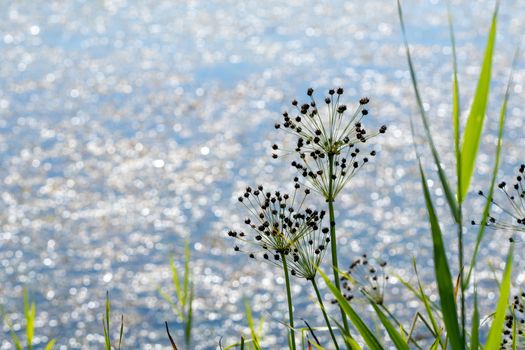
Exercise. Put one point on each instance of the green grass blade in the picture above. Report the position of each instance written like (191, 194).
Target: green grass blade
(449, 195)
(442, 273)
(186, 281)
(121, 333)
(349, 341)
(189, 318)
(105, 323)
(495, 168)
(455, 103)
(368, 336)
(50, 345)
(474, 126)
(29, 312)
(251, 325)
(426, 303)
(474, 333)
(176, 281)
(106, 338)
(398, 340)
(494, 338)
(108, 307)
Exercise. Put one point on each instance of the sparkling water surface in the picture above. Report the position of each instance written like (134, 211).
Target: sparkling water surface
(127, 127)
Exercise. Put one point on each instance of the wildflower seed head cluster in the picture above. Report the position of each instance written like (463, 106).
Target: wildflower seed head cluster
(512, 206)
(365, 278)
(514, 329)
(278, 226)
(329, 141)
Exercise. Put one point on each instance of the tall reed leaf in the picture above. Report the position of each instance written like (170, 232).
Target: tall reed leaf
(474, 126)
(441, 172)
(443, 276)
(488, 202)
(455, 103)
(368, 336)
(494, 338)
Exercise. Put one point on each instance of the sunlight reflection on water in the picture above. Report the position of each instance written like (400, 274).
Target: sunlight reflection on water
(128, 126)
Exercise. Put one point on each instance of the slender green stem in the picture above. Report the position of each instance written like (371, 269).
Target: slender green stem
(461, 268)
(289, 296)
(324, 313)
(333, 240)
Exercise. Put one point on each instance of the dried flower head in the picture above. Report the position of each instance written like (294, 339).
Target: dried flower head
(328, 141)
(512, 206)
(368, 278)
(278, 226)
(515, 324)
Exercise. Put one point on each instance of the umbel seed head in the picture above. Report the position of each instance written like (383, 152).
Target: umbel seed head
(328, 134)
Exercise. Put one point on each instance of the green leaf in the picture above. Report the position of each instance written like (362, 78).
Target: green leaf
(427, 304)
(494, 338)
(349, 341)
(189, 318)
(176, 281)
(30, 313)
(50, 345)
(455, 103)
(368, 336)
(251, 325)
(186, 281)
(449, 195)
(474, 126)
(442, 272)
(474, 334)
(121, 333)
(396, 337)
(488, 202)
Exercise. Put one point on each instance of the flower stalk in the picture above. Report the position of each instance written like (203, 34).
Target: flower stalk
(289, 299)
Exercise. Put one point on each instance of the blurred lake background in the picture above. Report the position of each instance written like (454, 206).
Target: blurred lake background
(127, 127)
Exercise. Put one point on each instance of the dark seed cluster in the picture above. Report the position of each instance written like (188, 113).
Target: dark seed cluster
(514, 329)
(367, 278)
(512, 207)
(278, 226)
(328, 142)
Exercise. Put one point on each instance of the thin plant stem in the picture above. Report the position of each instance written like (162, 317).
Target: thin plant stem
(289, 297)
(333, 240)
(461, 268)
(314, 284)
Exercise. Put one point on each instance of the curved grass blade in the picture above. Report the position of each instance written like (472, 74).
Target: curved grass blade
(442, 272)
(397, 338)
(474, 126)
(368, 336)
(349, 341)
(441, 172)
(494, 338)
(50, 345)
(495, 168)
